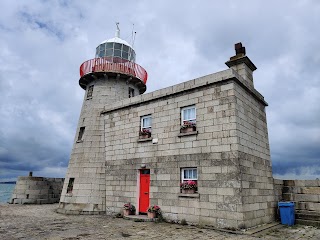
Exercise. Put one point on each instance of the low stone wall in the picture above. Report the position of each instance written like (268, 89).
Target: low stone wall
(37, 190)
(305, 193)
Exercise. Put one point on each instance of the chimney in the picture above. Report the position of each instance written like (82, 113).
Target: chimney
(242, 64)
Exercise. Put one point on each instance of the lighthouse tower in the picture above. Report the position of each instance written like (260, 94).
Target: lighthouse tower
(111, 76)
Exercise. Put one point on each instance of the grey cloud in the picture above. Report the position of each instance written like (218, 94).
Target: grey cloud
(43, 44)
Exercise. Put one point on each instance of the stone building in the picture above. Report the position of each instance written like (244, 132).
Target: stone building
(36, 190)
(139, 148)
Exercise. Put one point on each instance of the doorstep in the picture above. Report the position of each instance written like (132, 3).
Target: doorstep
(140, 218)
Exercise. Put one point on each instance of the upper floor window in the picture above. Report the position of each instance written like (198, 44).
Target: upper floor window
(90, 91)
(146, 126)
(131, 92)
(188, 119)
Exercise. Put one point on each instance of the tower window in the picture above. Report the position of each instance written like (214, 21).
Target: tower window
(131, 92)
(70, 185)
(90, 91)
(81, 132)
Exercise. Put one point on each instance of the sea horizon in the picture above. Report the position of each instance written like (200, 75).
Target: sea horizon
(6, 190)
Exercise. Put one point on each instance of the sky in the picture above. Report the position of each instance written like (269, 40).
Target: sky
(43, 43)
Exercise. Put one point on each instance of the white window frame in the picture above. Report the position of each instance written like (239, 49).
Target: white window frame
(146, 127)
(186, 179)
(192, 119)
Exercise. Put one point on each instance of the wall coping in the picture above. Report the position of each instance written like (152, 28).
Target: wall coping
(210, 79)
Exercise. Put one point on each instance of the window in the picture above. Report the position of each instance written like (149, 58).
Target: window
(188, 114)
(146, 127)
(188, 119)
(189, 180)
(70, 185)
(90, 91)
(189, 174)
(81, 132)
(131, 92)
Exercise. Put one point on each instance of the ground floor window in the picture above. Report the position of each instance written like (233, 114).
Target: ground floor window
(189, 180)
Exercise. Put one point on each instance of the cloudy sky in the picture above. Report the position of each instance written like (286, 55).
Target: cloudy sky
(43, 43)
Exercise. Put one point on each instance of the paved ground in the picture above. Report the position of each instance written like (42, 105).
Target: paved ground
(41, 222)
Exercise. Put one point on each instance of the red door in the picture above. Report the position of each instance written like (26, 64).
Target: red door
(144, 199)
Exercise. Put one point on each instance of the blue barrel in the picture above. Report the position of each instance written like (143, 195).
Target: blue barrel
(286, 213)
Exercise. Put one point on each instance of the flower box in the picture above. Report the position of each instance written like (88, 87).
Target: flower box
(188, 129)
(189, 191)
(145, 133)
(188, 187)
(188, 126)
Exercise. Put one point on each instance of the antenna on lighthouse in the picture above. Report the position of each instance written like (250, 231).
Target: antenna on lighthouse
(118, 30)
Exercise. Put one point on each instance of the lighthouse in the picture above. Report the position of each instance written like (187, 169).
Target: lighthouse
(111, 76)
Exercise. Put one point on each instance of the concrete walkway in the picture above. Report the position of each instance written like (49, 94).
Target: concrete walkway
(41, 222)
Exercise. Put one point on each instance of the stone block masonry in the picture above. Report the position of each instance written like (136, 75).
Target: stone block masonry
(229, 150)
(37, 190)
(140, 148)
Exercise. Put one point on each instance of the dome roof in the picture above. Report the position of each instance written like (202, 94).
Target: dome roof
(117, 40)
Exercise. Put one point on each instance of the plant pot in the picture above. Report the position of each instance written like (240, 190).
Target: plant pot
(188, 191)
(187, 130)
(126, 212)
(144, 136)
(151, 214)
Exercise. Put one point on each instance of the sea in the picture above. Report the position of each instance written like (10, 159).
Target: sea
(5, 192)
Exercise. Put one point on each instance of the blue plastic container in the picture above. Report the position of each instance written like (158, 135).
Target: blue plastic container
(286, 213)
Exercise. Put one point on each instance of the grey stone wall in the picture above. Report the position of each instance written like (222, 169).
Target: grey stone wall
(37, 190)
(305, 194)
(87, 160)
(254, 158)
(230, 151)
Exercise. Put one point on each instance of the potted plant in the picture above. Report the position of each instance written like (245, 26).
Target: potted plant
(128, 209)
(154, 211)
(188, 186)
(145, 133)
(188, 126)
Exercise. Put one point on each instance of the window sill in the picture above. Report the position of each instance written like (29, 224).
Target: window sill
(68, 195)
(189, 195)
(145, 139)
(79, 141)
(188, 134)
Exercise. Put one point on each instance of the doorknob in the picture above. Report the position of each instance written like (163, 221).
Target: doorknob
(146, 192)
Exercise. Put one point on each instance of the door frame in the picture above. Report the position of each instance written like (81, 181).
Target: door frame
(138, 188)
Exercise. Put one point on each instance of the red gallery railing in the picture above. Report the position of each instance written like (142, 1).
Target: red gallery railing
(117, 65)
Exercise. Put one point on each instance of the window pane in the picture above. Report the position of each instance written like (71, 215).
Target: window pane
(189, 114)
(102, 47)
(109, 45)
(117, 53)
(117, 46)
(194, 174)
(146, 122)
(101, 54)
(125, 48)
(109, 52)
(185, 174)
(125, 55)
